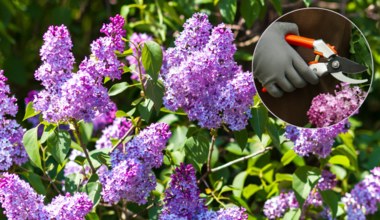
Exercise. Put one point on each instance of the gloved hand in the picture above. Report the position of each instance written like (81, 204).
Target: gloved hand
(276, 65)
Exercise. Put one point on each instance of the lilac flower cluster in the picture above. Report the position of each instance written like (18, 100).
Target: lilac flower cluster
(117, 130)
(202, 78)
(317, 141)
(12, 150)
(81, 95)
(70, 207)
(20, 201)
(135, 40)
(182, 200)
(328, 109)
(277, 206)
(364, 197)
(131, 177)
(105, 119)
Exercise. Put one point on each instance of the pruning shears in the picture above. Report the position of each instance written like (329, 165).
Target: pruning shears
(335, 65)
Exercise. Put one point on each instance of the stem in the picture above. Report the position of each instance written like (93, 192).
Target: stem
(129, 132)
(140, 76)
(241, 159)
(210, 150)
(79, 140)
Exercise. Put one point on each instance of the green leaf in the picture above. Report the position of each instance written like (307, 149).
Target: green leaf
(284, 177)
(250, 11)
(29, 111)
(32, 146)
(259, 120)
(155, 91)
(93, 190)
(48, 131)
(241, 138)
(92, 216)
(304, 180)
(100, 157)
(118, 88)
(85, 129)
(331, 199)
(146, 109)
(228, 10)
(277, 6)
(307, 2)
(36, 182)
(292, 214)
(250, 190)
(196, 149)
(238, 183)
(341, 160)
(273, 132)
(152, 59)
(288, 157)
(72, 182)
(59, 145)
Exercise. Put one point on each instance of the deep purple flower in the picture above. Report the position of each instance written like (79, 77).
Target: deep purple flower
(202, 78)
(328, 109)
(318, 141)
(105, 119)
(19, 200)
(68, 207)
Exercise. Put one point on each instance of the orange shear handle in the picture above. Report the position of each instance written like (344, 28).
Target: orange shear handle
(296, 40)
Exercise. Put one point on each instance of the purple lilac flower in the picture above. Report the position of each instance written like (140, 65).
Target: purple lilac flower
(117, 130)
(328, 109)
(277, 206)
(236, 213)
(68, 207)
(105, 119)
(78, 96)
(130, 179)
(202, 78)
(131, 176)
(19, 200)
(57, 57)
(12, 150)
(8, 104)
(364, 197)
(135, 40)
(73, 167)
(326, 182)
(182, 196)
(317, 141)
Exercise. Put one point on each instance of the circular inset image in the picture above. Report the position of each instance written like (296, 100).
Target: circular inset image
(312, 68)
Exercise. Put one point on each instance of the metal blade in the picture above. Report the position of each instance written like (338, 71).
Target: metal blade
(339, 76)
(345, 65)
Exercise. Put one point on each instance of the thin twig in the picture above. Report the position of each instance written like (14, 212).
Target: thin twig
(241, 159)
(248, 42)
(129, 132)
(78, 137)
(210, 150)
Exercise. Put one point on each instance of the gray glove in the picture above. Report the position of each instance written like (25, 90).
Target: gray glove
(276, 65)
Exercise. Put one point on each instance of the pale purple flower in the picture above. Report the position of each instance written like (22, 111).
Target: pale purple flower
(364, 197)
(117, 130)
(130, 180)
(236, 213)
(318, 141)
(8, 105)
(328, 109)
(19, 200)
(277, 206)
(105, 119)
(182, 196)
(202, 78)
(68, 207)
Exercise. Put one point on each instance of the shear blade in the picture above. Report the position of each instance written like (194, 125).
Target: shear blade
(339, 76)
(349, 66)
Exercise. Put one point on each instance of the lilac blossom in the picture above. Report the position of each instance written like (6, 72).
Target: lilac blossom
(328, 109)
(318, 141)
(135, 40)
(76, 96)
(182, 200)
(277, 206)
(19, 200)
(131, 176)
(12, 150)
(105, 119)
(117, 130)
(202, 78)
(68, 207)
(364, 197)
